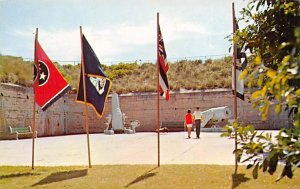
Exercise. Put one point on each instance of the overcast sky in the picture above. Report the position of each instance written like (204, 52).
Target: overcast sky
(118, 30)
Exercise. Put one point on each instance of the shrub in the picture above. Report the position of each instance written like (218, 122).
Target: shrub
(129, 77)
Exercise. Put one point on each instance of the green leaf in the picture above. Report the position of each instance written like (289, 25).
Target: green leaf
(253, 135)
(249, 166)
(278, 108)
(287, 171)
(273, 164)
(243, 74)
(271, 73)
(265, 165)
(264, 91)
(256, 94)
(286, 59)
(260, 80)
(255, 171)
(224, 134)
(258, 60)
(247, 159)
(261, 137)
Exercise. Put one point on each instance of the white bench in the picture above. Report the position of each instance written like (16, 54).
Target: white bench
(21, 131)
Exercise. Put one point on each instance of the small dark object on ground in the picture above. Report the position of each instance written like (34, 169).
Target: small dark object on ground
(163, 129)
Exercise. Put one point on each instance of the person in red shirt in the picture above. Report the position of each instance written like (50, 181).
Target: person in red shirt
(188, 122)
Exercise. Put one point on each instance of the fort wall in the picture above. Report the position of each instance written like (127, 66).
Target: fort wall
(68, 117)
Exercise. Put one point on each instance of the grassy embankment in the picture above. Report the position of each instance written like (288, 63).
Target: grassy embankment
(132, 77)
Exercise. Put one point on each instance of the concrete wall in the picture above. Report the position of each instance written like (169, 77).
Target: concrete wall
(68, 117)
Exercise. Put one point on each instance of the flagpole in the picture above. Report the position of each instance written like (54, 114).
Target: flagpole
(235, 96)
(85, 104)
(158, 118)
(34, 97)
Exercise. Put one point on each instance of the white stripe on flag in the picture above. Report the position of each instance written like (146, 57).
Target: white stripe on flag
(239, 83)
(162, 83)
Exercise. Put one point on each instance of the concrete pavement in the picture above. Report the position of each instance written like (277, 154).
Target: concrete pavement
(140, 148)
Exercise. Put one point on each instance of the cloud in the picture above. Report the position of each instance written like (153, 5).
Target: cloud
(58, 45)
(112, 42)
(116, 42)
(117, 30)
(128, 38)
(108, 43)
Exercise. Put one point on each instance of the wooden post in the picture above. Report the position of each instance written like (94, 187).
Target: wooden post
(33, 132)
(85, 104)
(34, 96)
(158, 118)
(234, 77)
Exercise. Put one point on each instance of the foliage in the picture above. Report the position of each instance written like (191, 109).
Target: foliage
(15, 70)
(119, 70)
(261, 152)
(273, 36)
(133, 77)
(71, 74)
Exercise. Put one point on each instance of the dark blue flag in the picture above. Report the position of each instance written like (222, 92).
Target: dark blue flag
(97, 83)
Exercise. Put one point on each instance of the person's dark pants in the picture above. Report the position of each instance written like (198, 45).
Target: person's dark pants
(198, 126)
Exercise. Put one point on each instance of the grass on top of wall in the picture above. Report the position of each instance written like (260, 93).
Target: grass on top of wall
(132, 77)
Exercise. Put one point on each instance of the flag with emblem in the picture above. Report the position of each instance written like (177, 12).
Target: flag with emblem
(163, 67)
(241, 63)
(49, 85)
(97, 83)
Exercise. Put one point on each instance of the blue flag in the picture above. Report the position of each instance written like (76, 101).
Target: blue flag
(97, 83)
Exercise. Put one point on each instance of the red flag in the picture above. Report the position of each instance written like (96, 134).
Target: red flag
(51, 85)
(163, 67)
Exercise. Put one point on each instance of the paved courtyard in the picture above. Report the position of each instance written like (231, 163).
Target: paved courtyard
(140, 148)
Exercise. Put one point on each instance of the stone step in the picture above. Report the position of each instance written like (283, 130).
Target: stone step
(211, 129)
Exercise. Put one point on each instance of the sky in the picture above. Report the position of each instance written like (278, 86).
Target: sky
(117, 30)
